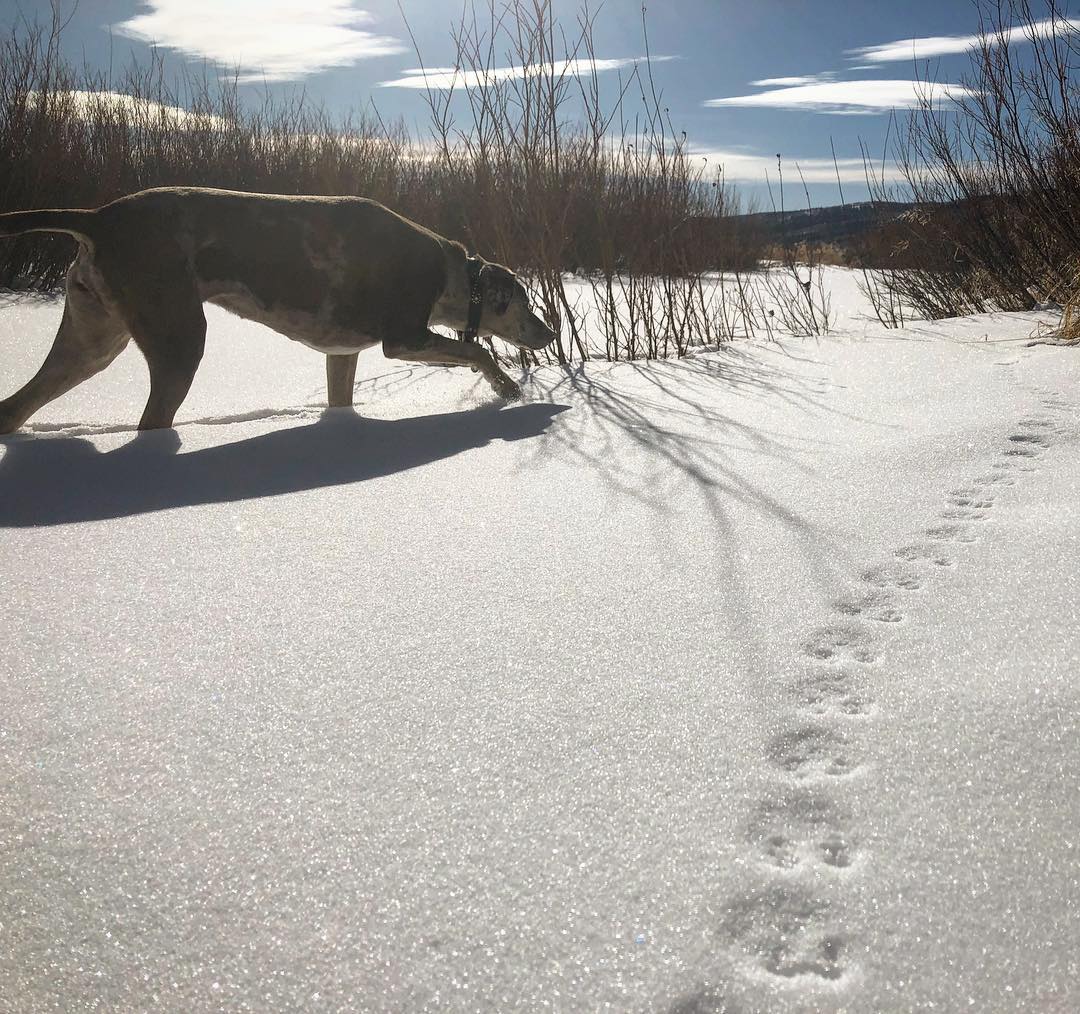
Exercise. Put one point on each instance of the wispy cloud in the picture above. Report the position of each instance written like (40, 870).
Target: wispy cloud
(791, 82)
(272, 40)
(944, 45)
(748, 167)
(847, 97)
(444, 78)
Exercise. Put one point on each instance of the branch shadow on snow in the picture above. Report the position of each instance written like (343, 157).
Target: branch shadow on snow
(668, 435)
(62, 480)
(662, 413)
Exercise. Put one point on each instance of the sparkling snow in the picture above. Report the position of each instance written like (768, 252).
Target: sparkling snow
(745, 683)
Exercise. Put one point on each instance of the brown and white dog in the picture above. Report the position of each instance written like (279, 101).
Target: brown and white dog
(339, 274)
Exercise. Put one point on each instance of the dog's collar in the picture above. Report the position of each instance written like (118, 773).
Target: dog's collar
(475, 267)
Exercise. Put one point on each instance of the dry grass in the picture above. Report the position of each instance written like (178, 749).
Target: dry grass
(1068, 331)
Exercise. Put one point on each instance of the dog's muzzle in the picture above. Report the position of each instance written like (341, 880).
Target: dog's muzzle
(537, 336)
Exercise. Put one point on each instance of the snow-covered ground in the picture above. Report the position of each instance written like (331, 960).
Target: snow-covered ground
(746, 683)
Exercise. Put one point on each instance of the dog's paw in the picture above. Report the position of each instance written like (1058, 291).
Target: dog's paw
(506, 388)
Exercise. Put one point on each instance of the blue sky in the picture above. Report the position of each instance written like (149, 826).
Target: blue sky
(745, 78)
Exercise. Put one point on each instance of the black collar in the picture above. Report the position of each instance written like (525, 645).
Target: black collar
(475, 266)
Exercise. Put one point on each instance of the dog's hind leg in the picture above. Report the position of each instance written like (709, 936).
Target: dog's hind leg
(340, 376)
(173, 347)
(156, 290)
(90, 337)
(169, 327)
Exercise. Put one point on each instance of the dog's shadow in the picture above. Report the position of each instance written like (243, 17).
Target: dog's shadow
(61, 480)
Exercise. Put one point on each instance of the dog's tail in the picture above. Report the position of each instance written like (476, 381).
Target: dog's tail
(74, 222)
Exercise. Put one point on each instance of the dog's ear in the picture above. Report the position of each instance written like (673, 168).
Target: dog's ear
(499, 288)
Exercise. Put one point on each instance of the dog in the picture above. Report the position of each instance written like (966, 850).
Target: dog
(339, 274)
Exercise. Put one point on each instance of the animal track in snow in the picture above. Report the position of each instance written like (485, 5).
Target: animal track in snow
(921, 551)
(1013, 461)
(802, 830)
(812, 752)
(963, 514)
(950, 533)
(835, 850)
(827, 700)
(840, 641)
(703, 1000)
(820, 959)
(874, 605)
(1027, 443)
(780, 852)
(891, 575)
(1020, 451)
(788, 934)
(994, 479)
(970, 498)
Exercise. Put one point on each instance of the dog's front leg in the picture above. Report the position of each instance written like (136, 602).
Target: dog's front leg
(340, 377)
(432, 348)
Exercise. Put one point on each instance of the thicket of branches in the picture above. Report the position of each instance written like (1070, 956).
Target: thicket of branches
(541, 175)
(996, 174)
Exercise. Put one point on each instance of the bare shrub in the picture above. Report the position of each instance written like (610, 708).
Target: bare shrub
(794, 285)
(551, 180)
(996, 173)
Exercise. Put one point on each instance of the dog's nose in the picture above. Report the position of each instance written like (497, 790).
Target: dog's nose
(544, 334)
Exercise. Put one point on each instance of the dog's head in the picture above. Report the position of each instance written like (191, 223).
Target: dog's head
(507, 314)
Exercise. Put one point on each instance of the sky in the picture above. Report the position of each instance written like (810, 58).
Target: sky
(745, 79)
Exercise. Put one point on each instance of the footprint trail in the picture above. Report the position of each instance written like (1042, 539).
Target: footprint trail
(786, 931)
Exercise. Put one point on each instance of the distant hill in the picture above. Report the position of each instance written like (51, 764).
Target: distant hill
(840, 224)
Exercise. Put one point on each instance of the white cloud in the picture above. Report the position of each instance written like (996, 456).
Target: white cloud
(790, 82)
(847, 97)
(272, 40)
(87, 105)
(944, 45)
(444, 78)
(747, 167)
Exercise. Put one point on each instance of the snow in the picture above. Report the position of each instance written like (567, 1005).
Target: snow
(741, 683)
